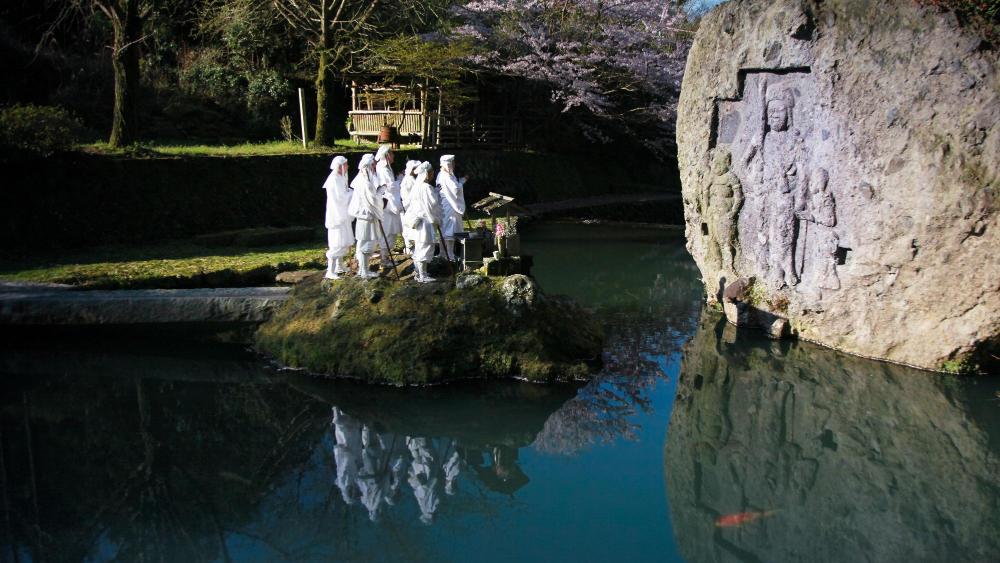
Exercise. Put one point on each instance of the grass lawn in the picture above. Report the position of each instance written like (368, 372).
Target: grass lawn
(269, 148)
(167, 265)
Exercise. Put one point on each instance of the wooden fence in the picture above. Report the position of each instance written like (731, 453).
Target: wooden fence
(450, 130)
(367, 123)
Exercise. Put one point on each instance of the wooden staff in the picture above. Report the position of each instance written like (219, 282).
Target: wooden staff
(447, 255)
(388, 248)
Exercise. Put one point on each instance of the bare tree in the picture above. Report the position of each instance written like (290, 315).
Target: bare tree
(126, 18)
(336, 29)
(126, 22)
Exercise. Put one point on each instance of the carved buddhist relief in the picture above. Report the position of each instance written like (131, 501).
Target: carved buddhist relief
(786, 236)
(722, 199)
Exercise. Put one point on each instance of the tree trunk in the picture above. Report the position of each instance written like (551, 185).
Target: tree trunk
(125, 63)
(324, 77)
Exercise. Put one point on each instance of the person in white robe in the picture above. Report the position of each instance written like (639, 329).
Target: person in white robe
(370, 481)
(423, 478)
(339, 231)
(366, 207)
(388, 188)
(424, 216)
(405, 185)
(452, 204)
(347, 454)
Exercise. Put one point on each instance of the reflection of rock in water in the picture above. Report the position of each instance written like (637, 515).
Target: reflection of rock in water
(863, 461)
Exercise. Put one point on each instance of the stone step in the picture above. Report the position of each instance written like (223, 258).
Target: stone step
(60, 307)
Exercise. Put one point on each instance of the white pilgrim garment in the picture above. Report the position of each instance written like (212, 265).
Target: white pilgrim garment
(339, 234)
(389, 189)
(405, 186)
(452, 468)
(346, 454)
(452, 203)
(370, 479)
(422, 478)
(423, 214)
(366, 206)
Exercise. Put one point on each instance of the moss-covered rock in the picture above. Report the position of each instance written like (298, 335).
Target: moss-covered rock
(415, 334)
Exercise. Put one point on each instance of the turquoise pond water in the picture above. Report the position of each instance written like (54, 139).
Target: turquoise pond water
(696, 443)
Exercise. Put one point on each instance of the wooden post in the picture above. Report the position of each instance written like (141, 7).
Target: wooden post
(302, 115)
(439, 119)
(424, 125)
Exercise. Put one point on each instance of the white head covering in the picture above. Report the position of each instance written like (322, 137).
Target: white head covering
(366, 161)
(364, 196)
(338, 196)
(447, 159)
(422, 170)
(337, 162)
(410, 165)
(382, 151)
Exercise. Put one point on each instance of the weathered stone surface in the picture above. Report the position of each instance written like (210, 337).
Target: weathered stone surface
(520, 293)
(465, 280)
(853, 460)
(296, 276)
(27, 306)
(846, 154)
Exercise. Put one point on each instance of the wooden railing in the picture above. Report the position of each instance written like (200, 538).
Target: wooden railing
(368, 123)
(488, 131)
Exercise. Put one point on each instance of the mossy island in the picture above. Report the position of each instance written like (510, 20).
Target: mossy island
(473, 327)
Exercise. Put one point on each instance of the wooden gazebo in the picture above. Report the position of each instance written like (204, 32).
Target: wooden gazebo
(408, 109)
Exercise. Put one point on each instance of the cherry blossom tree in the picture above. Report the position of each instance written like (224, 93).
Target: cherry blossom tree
(613, 64)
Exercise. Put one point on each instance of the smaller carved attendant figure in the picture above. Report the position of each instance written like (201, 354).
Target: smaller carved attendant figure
(816, 206)
(724, 201)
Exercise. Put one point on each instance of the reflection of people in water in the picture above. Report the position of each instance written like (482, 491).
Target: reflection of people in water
(369, 480)
(347, 433)
(432, 463)
(370, 465)
(503, 474)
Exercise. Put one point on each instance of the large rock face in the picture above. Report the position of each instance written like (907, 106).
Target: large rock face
(841, 459)
(845, 155)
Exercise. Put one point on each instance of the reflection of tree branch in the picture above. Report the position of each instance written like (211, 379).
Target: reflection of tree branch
(640, 332)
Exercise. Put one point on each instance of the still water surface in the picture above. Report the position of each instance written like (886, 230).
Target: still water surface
(696, 443)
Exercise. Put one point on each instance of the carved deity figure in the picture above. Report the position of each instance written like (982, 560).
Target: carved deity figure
(772, 159)
(722, 201)
(817, 212)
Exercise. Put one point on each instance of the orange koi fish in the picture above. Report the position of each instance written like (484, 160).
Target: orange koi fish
(741, 518)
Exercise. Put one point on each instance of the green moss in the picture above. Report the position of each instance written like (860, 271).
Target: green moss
(960, 366)
(425, 334)
(182, 264)
(756, 294)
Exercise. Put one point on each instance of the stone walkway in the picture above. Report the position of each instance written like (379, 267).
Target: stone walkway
(54, 305)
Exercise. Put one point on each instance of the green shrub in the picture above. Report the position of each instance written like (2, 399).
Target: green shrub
(42, 130)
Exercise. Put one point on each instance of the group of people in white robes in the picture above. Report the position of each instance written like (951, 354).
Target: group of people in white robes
(383, 205)
(371, 467)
